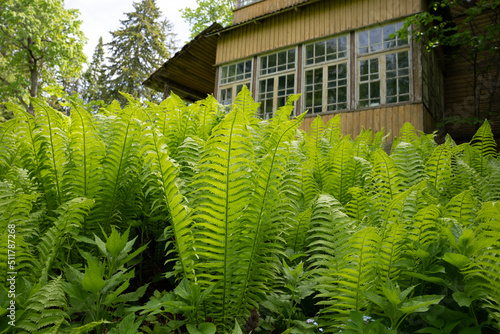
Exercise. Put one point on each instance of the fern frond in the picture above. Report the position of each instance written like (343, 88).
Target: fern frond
(330, 230)
(425, 228)
(484, 142)
(209, 109)
(69, 220)
(333, 131)
(224, 189)
(263, 223)
(8, 145)
(358, 205)
(408, 160)
(46, 310)
(120, 170)
(387, 181)
(390, 252)
(357, 274)
(463, 208)
(314, 153)
(51, 146)
(438, 167)
(160, 182)
(83, 175)
(15, 253)
(188, 156)
(341, 170)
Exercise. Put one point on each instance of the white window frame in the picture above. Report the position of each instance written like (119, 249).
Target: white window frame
(234, 85)
(324, 65)
(380, 55)
(275, 76)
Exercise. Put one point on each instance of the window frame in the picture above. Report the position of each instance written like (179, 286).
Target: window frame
(233, 85)
(381, 56)
(275, 76)
(324, 65)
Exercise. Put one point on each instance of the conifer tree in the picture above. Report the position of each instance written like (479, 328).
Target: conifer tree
(94, 78)
(138, 47)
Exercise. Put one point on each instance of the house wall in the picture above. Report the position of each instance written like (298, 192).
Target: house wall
(319, 19)
(460, 86)
(261, 8)
(391, 119)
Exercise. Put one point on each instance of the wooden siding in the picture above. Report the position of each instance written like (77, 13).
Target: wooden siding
(319, 19)
(391, 119)
(262, 8)
(459, 88)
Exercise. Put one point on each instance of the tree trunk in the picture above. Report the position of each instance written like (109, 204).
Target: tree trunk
(34, 77)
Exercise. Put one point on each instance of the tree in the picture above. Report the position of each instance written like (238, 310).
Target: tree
(94, 78)
(40, 43)
(207, 12)
(139, 47)
(458, 26)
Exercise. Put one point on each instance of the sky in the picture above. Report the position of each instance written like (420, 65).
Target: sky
(102, 16)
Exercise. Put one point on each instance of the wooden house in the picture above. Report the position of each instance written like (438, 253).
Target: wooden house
(340, 55)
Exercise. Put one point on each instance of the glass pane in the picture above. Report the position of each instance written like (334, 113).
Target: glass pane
(263, 65)
(363, 67)
(390, 62)
(391, 87)
(332, 73)
(309, 77)
(332, 96)
(331, 46)
(363, 91)
(318, 75)
(389, 30)
(262, 86)
(270, 85)
(231, 71)
(342, 43)
(320, 49)
(342, 71)
(374, 89)
(363, 38)
(403, 59)
(291, 56)
(404, 85)
(342, 94)
(376, 39)
(309, 53)
(290, 81)
(374, 65)
(281, 83)
(309, 100)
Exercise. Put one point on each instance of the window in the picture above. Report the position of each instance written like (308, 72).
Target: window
(243, 3)
(383, 66)
(232, 79)
(326, 75)
(276, 80)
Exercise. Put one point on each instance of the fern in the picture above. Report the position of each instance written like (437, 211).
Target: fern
(344, 288)
(223, 189)
(8, 145)
(463, 208)
(119, 168)
(46, 310)
(407, 159)
(387, 181)
(314, 154)
(51, 143)
(341, 170)
(328, 235)
(14, 215)
(160, 185)
(484, 142)
(438, 167)
(67, 225)
(263, 222)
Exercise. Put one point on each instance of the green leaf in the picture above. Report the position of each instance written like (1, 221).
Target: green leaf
(420, 303)
(92, 279)
(458, 260)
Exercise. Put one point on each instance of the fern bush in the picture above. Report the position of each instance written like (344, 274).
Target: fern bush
(233, 217)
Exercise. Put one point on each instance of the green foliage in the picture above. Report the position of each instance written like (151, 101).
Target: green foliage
(35, 50)
(208, 12)
(236, 220)
(137, 49)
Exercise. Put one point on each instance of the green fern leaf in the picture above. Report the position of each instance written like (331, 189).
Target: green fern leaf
(67, 225)
(330, 230)
(438, 167)
(463, 208)
(46, 310)
(357, 274)
(407, 159)
(224, 187)
(51, 146)
(484, 142)
(161, 186)
(387, 181)
(341, 170)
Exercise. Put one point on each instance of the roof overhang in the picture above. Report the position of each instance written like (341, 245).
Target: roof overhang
(190, 73)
